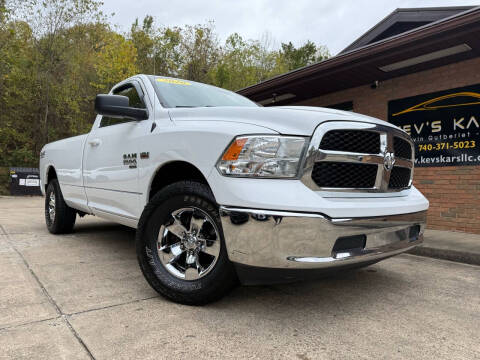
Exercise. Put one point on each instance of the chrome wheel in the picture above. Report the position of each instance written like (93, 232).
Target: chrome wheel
(188, 244)
(51, 206)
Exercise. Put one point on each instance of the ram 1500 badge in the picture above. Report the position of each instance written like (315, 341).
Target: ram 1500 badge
(221, 189)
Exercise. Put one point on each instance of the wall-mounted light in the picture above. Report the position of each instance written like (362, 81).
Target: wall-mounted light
(426, 57)
(277, 98)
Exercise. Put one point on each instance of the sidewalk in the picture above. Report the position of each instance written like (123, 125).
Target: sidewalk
(450, 245)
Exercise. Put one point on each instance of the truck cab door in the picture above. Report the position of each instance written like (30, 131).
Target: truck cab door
(111, 162)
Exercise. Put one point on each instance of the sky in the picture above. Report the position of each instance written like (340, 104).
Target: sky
(334, 23)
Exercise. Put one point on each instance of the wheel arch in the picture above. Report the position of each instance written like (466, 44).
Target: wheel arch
(50, 174)
(173, 171)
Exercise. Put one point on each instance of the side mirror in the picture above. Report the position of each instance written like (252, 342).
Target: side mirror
(118, 106)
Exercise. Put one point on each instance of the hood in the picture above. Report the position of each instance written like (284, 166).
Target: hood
(286, 120)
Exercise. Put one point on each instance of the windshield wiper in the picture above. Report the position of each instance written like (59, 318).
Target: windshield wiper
(185, 106)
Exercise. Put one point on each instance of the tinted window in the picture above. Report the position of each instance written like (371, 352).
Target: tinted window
(134, 101)
(185, 93)
(132, 94)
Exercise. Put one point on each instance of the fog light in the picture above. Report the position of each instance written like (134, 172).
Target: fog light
(350, 243)
(413, 233)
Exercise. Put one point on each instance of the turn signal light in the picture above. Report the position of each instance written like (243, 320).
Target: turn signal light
(234, 150)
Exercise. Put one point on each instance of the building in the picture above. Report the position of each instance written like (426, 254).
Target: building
(419, 69)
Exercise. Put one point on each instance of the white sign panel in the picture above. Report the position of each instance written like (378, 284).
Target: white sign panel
(32, 182)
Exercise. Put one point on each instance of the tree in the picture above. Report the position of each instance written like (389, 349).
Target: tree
(116, 61)
(242, 63)
(56, 55)
(44, 80)
(50, 20)
(158, 50)
(168, 56)
(199, 47)
(304, 55)
(3, 11)
(143, 39)
(18, 124)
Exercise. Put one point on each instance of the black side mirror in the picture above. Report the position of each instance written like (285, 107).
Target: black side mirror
(118, 106)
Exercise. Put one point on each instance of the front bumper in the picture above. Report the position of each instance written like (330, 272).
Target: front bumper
(295, 240)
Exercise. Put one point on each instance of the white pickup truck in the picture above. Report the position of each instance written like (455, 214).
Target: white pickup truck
(221, 189)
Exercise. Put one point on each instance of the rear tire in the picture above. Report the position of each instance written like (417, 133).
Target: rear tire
(59, 217)
(180, 245)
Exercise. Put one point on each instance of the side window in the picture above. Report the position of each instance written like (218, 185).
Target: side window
(134, 101)
(132, 94)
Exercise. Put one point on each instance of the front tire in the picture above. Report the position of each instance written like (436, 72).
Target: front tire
(180, 245)
(59, 217)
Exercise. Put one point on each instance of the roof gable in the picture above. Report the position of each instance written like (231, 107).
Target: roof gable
(403, 20)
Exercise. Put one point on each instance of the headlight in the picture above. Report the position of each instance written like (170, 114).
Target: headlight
(263, 156)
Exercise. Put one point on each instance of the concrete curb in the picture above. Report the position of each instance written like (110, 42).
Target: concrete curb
(447, 254)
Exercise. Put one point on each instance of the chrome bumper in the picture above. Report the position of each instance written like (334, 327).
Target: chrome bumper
(292, 240)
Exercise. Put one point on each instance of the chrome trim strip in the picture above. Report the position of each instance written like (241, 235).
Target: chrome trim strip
(340, 156)
(403, 163)
(284, 239)
(387, 133)
(345, 256)
(271, 212)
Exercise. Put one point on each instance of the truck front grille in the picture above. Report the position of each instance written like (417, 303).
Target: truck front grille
(366, 142)
(355, 156)
(399, 178)
(402, 148)
(344, 175)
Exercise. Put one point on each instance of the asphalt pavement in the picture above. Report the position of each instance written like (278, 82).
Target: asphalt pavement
(82, 296)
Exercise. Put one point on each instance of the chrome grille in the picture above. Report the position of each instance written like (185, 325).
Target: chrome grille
(343, 164)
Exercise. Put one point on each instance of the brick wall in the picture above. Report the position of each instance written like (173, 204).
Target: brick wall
(454, 192)
(454, 195)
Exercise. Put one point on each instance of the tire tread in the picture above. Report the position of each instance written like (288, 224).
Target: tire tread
(227, 278)
(65, 216)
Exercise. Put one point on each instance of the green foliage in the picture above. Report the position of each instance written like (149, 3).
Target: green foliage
(48, 56)
(116, 61)
(17, 145)
(199, 45)
(4, 180)
(242, 63)
(56, 55)
(304, 55)
(158, 49)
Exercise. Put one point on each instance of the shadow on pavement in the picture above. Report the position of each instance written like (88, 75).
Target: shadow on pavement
(348, 287)
(97, 227)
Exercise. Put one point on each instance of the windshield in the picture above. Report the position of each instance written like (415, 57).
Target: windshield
(184, 93)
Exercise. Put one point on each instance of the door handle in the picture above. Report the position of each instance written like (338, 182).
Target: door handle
(94, 142)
